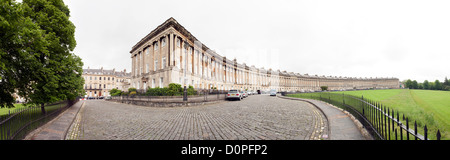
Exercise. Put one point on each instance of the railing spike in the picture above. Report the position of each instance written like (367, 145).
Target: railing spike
(438, 135)
(425, 130)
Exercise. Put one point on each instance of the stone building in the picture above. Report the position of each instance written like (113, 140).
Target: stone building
(171, 54)
(98, 82)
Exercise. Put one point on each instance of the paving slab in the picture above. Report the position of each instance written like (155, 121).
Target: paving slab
(56, 129)
(342, 127)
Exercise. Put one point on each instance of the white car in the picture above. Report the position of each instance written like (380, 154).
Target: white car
(234, 94)
(244, 94)
(273, 92)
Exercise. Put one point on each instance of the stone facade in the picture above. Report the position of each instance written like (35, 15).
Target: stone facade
(98, 82)
(171, 54)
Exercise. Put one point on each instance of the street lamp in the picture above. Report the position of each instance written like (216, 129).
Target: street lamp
(185, 80)
(185, 94)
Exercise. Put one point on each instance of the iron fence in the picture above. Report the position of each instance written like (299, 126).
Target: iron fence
(19, 122)
(382, 122)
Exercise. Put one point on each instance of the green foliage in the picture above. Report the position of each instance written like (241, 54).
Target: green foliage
(324, 88)
(115, 92)
(408, 84)
(414, 85)
(132, 89)
(157, 91)
(37, 38)
(20, 40)
(173, 90)
(446, 83)
(437, 85)
(190, 90)
(426, 84)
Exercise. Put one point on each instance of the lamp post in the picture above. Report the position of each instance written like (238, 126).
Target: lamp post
(185, 80)
(184, 94)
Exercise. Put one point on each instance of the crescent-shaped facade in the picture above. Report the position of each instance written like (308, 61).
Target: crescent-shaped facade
(171, 54)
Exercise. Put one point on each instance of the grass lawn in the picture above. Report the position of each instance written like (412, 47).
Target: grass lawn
(4, 111)
(425, 106)
(18, 106)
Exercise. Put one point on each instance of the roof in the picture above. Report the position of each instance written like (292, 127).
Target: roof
(106, 72)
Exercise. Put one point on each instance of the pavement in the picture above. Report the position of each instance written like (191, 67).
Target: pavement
(57, 128)
(341, 125)
(250, 119)
(258, 117)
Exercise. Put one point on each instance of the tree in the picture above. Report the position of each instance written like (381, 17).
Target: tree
(324, 88)
(446, 82)
(437, 85)
(20, 41)
(58, 72)
(446, 85)
(414, 85)
(426, 84)
(408, 84)
(420, 86)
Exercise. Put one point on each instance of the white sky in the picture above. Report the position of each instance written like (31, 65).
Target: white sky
(392, 38)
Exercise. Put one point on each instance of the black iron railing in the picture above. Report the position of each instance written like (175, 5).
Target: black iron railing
(382, 123)
(18, 123)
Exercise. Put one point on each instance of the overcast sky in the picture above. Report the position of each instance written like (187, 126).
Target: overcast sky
(393, 38)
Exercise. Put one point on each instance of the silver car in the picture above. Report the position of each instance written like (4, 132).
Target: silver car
(273, 92)
(234, 94)
(244, 94)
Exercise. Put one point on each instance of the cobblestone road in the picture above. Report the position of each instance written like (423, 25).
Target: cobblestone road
(256, 117)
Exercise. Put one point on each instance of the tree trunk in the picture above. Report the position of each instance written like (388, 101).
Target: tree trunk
(43, 109)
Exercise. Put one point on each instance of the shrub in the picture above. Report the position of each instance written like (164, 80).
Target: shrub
(173, 90)
(132, 89)
(115, 92)
(191, 91)
(132, 93)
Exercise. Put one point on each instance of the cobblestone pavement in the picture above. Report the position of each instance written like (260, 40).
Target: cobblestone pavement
(254, 118)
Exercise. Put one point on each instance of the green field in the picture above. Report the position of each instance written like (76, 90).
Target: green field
(425, 106)
(4, 111)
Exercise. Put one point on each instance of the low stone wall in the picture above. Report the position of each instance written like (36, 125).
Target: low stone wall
(162, 103)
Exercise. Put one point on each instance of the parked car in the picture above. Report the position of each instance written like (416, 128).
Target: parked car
(108, 97)
(273, 92)
(234, 94)
(244, 94)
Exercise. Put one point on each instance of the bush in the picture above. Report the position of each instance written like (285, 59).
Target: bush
(115, 92)
(173, 90)
(132, 93)
(132, 89)
(157, 91)
(191, 91)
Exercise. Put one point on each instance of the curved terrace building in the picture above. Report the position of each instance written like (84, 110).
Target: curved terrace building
(171, 54)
